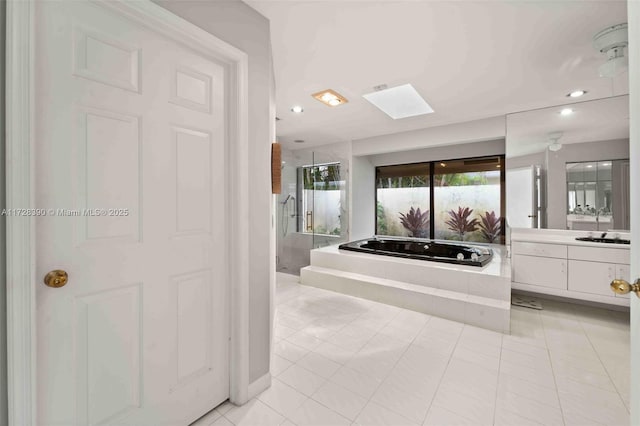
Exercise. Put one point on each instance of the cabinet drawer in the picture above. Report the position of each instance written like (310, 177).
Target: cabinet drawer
(542, 271)
(539, 249)
(599, 254)
(591, 277)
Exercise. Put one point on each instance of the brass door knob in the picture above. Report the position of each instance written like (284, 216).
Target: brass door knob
(56, 278)
(623, 287)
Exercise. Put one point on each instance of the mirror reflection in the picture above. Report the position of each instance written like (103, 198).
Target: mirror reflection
(568, 168)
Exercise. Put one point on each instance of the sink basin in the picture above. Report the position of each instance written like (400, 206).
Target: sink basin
(604, 240)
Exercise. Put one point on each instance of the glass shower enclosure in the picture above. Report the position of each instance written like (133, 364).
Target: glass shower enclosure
(312, 207)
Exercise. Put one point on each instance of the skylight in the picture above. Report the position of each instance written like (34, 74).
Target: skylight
(399, 102)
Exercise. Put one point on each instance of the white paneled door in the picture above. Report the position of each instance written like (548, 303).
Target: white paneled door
(130, 168)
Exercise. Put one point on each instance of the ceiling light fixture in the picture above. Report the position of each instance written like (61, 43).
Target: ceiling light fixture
(399, 102)
(566, 111)
(576, 93)
(297, 109)
(330, 97)
(299, 141)
(443, 165)
(589, 166)
(554, 146)
(612, 41)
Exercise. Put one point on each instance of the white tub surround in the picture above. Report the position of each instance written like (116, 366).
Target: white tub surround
(553, 262)
(472, 295)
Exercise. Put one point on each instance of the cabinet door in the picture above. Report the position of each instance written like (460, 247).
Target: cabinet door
(542, 271)
(591, 277)
(623, 272)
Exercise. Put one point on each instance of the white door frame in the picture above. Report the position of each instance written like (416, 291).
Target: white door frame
(21, 231)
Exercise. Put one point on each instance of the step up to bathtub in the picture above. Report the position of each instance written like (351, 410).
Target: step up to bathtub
(422, 292)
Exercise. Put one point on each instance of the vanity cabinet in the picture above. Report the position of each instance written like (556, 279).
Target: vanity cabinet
(569, 269)
(540, 264)
(591, 277)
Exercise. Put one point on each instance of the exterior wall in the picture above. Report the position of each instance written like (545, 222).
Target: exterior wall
(241, 26)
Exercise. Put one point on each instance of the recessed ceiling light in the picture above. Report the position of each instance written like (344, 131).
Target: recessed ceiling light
(297, 109)
(299, 141)
(577, 93)
(566, 111)
(399, 102)
(606, 164)
(330, 97)
(589, 166)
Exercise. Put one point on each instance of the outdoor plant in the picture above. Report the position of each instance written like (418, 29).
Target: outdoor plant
(490, 226)
(416, 222)
(381, 219)
(459, 221)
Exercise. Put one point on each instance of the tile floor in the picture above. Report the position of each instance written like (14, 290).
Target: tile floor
(340, 360)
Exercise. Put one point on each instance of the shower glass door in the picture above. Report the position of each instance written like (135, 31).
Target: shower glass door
(325, 188)
(312, 208)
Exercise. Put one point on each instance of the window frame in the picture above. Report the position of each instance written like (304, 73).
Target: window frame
(432, 172)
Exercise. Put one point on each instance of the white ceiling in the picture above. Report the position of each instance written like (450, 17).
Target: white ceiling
(597, 120)
(468, 59)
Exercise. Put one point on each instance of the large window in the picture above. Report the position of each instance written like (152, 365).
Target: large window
(402, 200)
(452, 200)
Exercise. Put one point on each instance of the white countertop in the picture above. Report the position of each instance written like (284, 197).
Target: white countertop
(588, 218)
(566, 237)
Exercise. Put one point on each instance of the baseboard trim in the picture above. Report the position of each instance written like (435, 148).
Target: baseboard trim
(260, 385)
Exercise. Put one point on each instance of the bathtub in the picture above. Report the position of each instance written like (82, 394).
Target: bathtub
(432, 250)
(463, 292)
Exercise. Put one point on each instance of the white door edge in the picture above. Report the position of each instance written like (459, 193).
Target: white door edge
(21, 232)
(633, 14)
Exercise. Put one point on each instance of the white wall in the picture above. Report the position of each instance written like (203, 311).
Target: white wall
(471, 131)
(241, 26)
(3, 269)
(556, 172)
(363, 201)
(436, 153)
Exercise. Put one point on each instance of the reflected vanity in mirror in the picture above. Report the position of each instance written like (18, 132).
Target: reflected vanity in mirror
(568, 168)
(598, 195)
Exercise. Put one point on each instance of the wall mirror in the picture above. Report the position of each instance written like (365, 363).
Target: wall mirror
(568, 166)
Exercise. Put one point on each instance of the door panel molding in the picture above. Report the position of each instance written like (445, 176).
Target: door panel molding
(21, 279)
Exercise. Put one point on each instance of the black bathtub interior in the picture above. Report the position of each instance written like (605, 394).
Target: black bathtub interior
(432, 250)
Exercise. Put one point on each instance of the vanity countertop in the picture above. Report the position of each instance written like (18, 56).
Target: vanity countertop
(556, 236)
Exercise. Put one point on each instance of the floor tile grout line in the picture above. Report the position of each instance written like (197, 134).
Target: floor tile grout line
(553, 372)
(495, 405)
(328, 379)
(604, 366)
(443, 374)
(369, 399)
